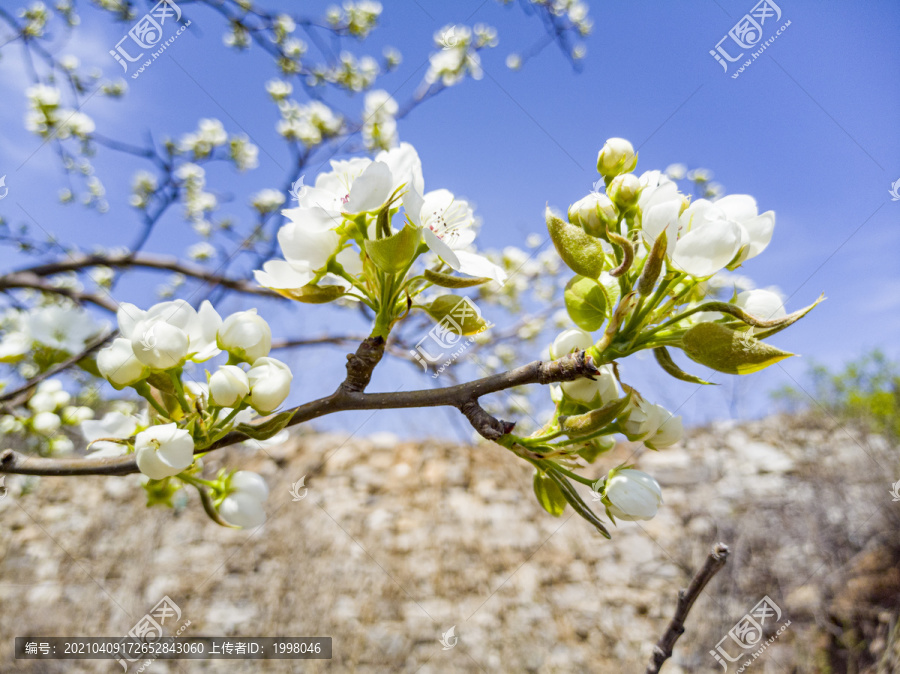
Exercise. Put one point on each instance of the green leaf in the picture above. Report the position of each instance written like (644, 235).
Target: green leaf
(664, 358)
(729, 351)
(450, 281)
(311, 293)
(265, 430)
(581, 252)
(394, 253)
(458, 314)
(653, 265)
(586, 303)
(548, 494)
(573, 498)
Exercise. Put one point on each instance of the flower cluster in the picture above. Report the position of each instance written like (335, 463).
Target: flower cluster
(340, 241)
(43, 418)
(458, 55)
(151, 354)
(47, 118)
(379, 130)
(649, 265)
(357, 18)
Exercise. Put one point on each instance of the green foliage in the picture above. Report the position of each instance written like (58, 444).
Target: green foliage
(866, 389)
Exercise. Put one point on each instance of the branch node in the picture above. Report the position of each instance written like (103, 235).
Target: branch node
(361, 364)
(488, 426)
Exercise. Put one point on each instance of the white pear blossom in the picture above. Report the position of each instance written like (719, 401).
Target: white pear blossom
(573, 339)
(66, 329)
(764, 304)
(45, 423)
(616, 156)
(244, 506)
(118, 364)
(169, 333)
(669, 429)
(379, 128)
(595, 392)
(163, 451)
(641, 419)
(270, 384)
(245, 335)
(633, 495)
(228, 385)
(114, 425)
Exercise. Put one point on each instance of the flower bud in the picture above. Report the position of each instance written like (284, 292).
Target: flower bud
(228, 385)
(617, 156)
(243, 507)
(159, 345)
(640, 419)
(668, 432)
(163, 451)
(42, 401)
(625, 190)
(270, 383)
(245, 335)
(45, 423)
(574, 339)
(763, 304)
(596, 392)
(632, 495)
(594, 213)
(74, 415)
(118, 364)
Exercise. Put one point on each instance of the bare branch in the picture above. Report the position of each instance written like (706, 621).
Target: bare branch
(29, 280)
(149, 261)
(686, 598)
(567, 368)
(59, 367)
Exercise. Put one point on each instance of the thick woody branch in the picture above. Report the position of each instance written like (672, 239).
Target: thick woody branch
(686, 598)
(361, 364)
(462, 396)
(148, 261)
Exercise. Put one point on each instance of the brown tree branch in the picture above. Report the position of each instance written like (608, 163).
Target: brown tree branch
(25, 279)
(686, 598)
(567, 368)
(13, 396)
(149, 261)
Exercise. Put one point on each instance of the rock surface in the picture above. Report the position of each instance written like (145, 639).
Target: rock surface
(396, 542)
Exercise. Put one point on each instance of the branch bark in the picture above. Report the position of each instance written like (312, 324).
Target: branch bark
(149, 261)
(686, 598)
(461, 396)
(26, 279)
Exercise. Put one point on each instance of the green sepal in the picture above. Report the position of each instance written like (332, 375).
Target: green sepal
(463, 321)
(394, 253)
(311, 293)
(265, 430)
(595, 420)
(450, 281)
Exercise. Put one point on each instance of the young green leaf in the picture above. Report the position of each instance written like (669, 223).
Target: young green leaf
(458, 313)
(394, 253)
(581, 252)
(586, 303)
(548, 494)
(729, 351)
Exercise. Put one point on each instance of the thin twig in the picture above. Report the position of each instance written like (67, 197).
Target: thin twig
(686, 598)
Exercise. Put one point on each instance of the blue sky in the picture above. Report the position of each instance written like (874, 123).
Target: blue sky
(810, 130)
